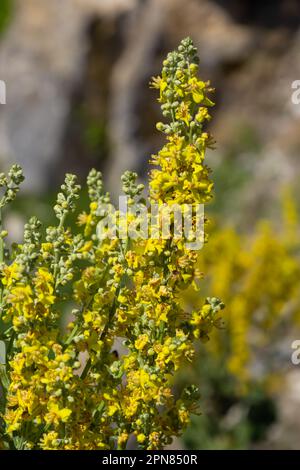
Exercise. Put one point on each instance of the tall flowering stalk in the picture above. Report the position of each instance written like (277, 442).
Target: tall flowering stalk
(67, 388)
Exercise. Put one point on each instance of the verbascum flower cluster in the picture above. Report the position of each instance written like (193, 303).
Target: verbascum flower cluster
(73, 387)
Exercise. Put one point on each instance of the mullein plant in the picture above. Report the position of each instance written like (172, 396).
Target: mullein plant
(66, 388)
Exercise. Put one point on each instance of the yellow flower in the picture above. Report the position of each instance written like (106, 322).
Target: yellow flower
(183, 113)
(84, 219)
(112, 409)
(86, 247)
(47, 247)
(141, 438)
(11, 274)
(49, 441)
(44, 282)
(141, 342)
(203, 114)
(56, 415)
(196, 88)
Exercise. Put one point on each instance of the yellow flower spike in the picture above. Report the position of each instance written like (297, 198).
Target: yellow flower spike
(75, 388)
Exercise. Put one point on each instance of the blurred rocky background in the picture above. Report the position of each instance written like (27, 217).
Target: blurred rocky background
(77, 74)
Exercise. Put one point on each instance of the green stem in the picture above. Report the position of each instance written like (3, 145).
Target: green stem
(71, 336)
(86, 369)
(56, 259)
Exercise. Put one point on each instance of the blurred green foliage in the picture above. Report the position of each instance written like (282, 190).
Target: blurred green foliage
(229, 420)
(95, 135)
(6, 7)
(234, 169)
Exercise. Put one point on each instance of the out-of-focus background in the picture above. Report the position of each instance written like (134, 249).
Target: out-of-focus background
(77, 74)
